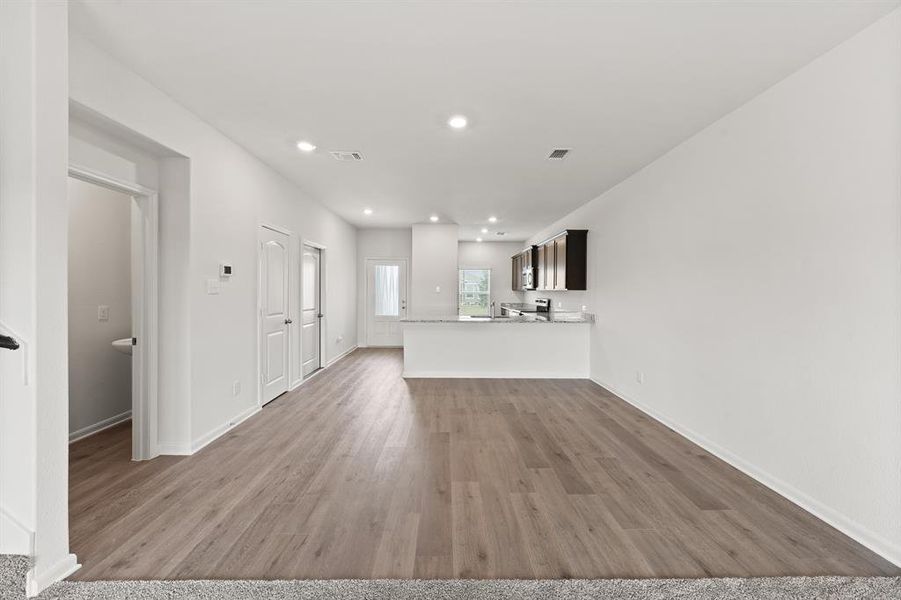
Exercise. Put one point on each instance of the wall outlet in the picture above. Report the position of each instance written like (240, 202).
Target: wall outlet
(437, 289)
(212, 286)
(639, 376)
(103, 312)
(559, 305)
(584, 308)
(236, 388)
(339, 339)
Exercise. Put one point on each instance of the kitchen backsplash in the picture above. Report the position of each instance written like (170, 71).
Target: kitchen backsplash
(568, 301)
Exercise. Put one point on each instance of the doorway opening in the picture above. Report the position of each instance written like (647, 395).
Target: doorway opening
(113, 308)
(311, 310)
(386, 301)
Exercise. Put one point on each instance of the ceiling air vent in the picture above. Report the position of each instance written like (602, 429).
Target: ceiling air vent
(345, 155)
(501, 233)
(559, 153)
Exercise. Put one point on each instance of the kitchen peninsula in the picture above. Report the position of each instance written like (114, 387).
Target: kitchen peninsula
(554, 345)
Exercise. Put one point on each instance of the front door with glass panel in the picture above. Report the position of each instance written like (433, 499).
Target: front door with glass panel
(386, 284)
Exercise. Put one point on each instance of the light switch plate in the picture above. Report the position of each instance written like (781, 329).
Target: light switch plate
(437, 289)
(103, 312)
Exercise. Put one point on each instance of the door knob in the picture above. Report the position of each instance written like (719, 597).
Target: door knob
(288, 321)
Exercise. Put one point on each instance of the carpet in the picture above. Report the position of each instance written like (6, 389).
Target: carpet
(795, 588)
(13, 569)
(12, 576)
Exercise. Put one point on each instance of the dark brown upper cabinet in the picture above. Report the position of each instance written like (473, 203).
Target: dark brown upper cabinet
(523, 270)
(562, 261)
(516, 273)
(540, 268)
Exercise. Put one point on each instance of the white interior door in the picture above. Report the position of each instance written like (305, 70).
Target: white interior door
(274, 317)
(386, 301)
(311, 314)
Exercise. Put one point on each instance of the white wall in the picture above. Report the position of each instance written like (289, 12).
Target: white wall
(495, 256)
(97, 144)
(752, 274)
(231, 193)
(378, 243)
(99, 274)
(33, 411)
(434, 268)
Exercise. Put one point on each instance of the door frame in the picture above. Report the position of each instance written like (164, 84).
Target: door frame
(367, 317)
(145, 308)
(259, 307)
(323, 310)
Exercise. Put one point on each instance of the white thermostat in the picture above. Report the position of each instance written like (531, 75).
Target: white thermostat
(225, 270)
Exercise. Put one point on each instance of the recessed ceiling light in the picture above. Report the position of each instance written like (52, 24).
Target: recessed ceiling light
(457, 122)
(478, 239)
(305, 146)
(367, 211)
(484, 230)
(492, 219)
(433, 218)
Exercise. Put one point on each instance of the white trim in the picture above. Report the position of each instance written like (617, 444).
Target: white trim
(872, 540)
(312, 375)
(367, 311)
(99, 426)
(342, 355)
(174, 449)
(217, 432)
(323, 306)
(145, 311)
(291, 266)
(460, 292)
(321, 369)
(36, 583)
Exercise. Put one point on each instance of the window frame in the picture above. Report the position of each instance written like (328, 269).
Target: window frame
(460, 290)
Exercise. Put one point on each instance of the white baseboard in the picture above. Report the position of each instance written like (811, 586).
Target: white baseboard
(38, 581)
(17, 538)
(342, 355)
(100, 426)
(173, 449)
(217, 432)
(312, 375)
(493, 375)
(872, 540)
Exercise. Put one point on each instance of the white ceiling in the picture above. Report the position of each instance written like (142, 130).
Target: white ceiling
(619, 82)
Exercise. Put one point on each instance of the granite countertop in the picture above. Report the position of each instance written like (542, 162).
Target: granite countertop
(554, 317)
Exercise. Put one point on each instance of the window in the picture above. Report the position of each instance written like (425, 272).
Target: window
(387, 290)
(475, 292)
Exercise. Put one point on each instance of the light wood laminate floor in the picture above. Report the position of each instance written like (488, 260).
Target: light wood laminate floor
(361, 474)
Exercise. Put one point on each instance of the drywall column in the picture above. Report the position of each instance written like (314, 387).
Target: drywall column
(33, 163)
(433, 282)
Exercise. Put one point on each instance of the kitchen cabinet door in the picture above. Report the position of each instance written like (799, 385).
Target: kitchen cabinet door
(516, 273)
(542, 269)
(560, 263)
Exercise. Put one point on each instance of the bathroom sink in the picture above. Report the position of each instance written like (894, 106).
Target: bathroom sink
(123, 346)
